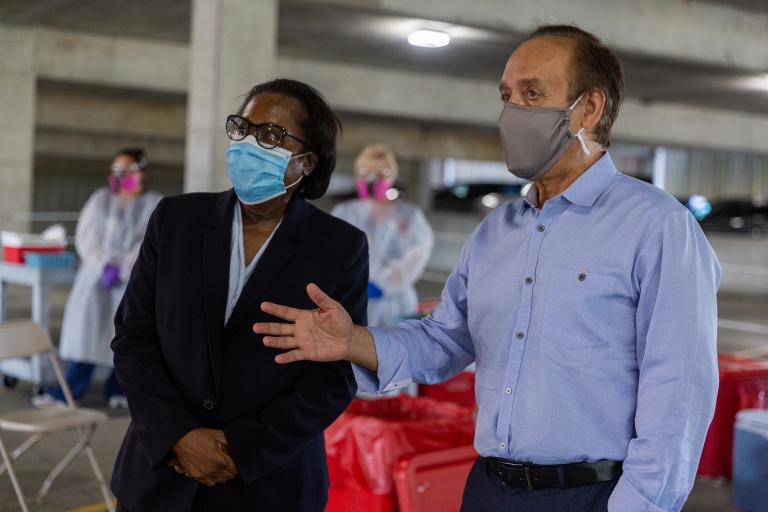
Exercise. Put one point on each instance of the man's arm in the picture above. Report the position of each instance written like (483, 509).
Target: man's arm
(432, 350)
(677, 361)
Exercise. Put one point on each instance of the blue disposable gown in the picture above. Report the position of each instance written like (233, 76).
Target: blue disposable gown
(104, 234)
(400, 242)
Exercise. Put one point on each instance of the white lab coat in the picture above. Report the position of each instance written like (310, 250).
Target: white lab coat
(400, 241)
(104, 235)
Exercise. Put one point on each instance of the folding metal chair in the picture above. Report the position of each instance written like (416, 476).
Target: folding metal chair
(22, 339)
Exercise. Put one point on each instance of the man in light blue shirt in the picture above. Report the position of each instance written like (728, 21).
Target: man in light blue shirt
(588, 308)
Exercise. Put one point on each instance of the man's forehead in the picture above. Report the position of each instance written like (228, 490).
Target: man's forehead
(537, 60)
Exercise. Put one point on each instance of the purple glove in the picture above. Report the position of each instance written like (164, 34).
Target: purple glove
(111, 276)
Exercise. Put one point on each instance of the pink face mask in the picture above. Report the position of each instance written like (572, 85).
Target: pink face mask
(378, 190)
(128, 182)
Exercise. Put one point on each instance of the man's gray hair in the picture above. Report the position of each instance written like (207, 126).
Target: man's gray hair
(594, 66)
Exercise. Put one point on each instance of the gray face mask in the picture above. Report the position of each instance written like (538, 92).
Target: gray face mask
(534, 138)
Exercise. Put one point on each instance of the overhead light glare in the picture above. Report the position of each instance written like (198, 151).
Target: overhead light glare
(429, 38)
(759, 82)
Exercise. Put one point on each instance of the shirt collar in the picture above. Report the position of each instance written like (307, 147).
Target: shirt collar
(532, 196)
(587, 187)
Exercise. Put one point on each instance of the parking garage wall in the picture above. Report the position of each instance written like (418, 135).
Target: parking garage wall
(716, 174)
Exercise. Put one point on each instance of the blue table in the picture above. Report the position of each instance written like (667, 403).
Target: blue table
(36, 369)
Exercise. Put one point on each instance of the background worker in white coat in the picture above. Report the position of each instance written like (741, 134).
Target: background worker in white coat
(108, 237)
(400, 239)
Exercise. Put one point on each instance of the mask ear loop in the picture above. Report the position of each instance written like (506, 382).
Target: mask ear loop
(295, 182)
(300, 177)
(577, 100)
(579, 136)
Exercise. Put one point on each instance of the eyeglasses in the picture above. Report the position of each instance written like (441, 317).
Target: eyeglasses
(268, 135)
(121, 168)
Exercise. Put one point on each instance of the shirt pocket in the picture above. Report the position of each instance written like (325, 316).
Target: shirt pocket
(578, 307)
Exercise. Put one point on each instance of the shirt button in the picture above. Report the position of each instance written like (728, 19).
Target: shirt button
(520, 335)
(582, 277)
(508, 391)
(503, 445)
(540, 227)
(208, 404)
(528, 280)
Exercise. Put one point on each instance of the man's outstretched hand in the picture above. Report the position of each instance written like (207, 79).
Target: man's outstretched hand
(323, 334)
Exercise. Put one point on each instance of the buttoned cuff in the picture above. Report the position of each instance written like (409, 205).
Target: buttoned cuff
(394, 371)
(625, 498)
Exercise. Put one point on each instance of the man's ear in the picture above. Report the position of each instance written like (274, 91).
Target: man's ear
(594, 103)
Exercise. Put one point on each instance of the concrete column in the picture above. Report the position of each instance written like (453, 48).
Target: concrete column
(17, 129)
(233, 47)
(660, 167)
(423, 196)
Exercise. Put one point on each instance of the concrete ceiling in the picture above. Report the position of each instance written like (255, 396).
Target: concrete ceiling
(167, 20)
(755, 5)
(377, 39)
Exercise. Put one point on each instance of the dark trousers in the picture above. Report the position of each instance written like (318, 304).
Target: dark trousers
(485, 492)
(79, 380)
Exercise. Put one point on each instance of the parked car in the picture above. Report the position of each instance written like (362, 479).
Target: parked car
(749, 217)
(475, 197)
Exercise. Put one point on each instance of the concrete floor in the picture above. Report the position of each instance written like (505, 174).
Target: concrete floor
(745, 316)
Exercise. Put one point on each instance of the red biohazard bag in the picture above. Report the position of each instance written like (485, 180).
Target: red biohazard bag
(366, 441)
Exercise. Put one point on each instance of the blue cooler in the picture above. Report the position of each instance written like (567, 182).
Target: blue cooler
(750, 461)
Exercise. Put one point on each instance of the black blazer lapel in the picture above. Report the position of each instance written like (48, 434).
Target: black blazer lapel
(281, 248)
(216, 255)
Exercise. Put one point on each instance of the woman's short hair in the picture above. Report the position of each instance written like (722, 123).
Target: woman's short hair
(320, 126)
(594, 65)
(379, 153)
(138, 155)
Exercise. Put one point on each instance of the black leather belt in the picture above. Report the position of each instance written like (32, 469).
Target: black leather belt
(535, 476)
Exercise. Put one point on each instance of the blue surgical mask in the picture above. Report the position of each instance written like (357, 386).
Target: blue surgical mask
(257, 173)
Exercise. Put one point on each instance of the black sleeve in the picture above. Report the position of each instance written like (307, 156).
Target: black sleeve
(262, 442)
(156, 405)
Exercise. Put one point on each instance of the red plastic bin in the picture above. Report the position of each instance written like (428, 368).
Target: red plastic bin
(431, 482)
(743, 385)
(366, 442)
(459, 390)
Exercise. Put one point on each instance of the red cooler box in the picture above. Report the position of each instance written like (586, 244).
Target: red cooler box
(365, 443)
(15, 245)
(743, 385)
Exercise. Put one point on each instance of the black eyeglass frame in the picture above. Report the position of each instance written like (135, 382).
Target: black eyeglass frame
(254, 128)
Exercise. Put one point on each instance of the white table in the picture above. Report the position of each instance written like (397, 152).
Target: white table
(36, 369)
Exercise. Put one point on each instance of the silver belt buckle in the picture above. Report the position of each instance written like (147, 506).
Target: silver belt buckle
(510, 465)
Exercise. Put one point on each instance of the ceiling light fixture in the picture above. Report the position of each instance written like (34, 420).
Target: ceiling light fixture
(429, 38)
(759, 83)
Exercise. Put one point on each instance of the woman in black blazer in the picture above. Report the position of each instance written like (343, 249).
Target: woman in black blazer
(217, 424)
